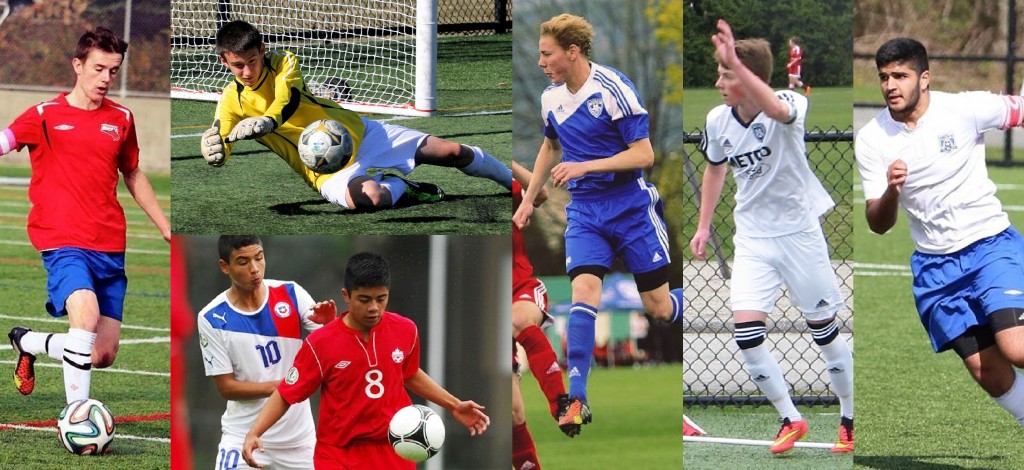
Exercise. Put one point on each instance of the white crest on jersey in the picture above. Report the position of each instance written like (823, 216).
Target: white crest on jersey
(203, 342)
(595, 106)
(282, 309)
(397, 355)
(292, 376)
(947, 143)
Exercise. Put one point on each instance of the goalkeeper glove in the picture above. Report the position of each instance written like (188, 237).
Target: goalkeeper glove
(213, 146)
(252, 128)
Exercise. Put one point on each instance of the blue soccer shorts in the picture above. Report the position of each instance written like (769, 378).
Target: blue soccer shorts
(960, 290)
(71, 269)
(626, 223)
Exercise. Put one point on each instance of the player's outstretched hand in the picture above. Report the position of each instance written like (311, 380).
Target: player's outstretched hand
(471, 416)
(522, 216)
(725, 44)
(251, 443)
(212, 146)
(699, 243)
(252, 128)
(897, 175)
(563, 172)
(324, 312)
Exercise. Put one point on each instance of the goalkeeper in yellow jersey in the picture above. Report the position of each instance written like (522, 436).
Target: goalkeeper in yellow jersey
(270, 102)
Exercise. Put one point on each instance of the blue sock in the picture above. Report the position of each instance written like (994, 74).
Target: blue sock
(677, 305)
(580, 352)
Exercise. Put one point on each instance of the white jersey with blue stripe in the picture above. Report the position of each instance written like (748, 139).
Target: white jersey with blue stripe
(598, 121)
(948, 197)
(259, 346)
(777, 194)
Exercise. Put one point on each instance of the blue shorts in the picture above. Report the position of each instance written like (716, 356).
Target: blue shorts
(957, 291)
(71, 269)
(625, 222)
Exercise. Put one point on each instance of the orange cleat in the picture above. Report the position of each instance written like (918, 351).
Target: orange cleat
(788, 435)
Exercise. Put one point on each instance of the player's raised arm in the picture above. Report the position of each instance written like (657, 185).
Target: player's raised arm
(468, 413)
(760, 91)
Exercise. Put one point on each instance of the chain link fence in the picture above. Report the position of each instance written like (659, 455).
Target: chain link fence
(714, 373)
(38, 39)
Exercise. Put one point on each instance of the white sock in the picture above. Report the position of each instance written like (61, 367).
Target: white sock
(486, 166)
(1013, 399)
(35, 343)
(765, 371)
(78, 363)
(839, 364)
(396, 186)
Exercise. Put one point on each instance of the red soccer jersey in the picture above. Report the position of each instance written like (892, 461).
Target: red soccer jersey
(522, 270)
(76, 155)
(362, 383)
(796, 60)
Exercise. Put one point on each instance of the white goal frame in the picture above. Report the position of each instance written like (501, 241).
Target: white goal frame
(418, 97)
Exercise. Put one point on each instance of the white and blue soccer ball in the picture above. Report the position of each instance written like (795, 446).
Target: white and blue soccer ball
(325, 146)
(86, 427)
(416, 433)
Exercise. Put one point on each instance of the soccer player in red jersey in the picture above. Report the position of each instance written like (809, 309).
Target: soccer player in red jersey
(795, 66)
(363, 361)
(78, 142)
(529, 311)
(183, 324)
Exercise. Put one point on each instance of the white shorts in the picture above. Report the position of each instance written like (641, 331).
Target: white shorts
(229, 455)
(799, 260)
(383, 146)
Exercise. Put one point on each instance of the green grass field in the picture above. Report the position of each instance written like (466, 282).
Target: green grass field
(917, 409)
(761, 424)
(829, 107)
(136, 387)
(256, 191)
(637, 421)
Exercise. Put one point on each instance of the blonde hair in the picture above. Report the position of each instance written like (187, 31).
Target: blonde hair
(756, 55)
(569, 29)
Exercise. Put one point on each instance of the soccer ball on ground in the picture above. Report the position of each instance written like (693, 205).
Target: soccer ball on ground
(86, 427)
(325, 146)
(416, 433)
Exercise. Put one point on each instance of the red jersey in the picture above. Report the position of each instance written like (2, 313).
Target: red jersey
(362, 383)
(75, 156)
(796, 60)
(522, 270)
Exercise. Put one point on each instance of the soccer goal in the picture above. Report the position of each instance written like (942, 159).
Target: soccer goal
(713, 371)
(376, 56)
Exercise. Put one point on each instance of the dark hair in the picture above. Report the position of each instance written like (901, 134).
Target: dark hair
(903, 50)
(229, 243)
(101, 38)
(366, 270)
(238, 36)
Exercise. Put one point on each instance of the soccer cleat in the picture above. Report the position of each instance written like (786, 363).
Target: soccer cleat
(845, 442)
(807, 90)
(422, 192)
(788, 435)
(575, 415)
(691, 429)
(24, 371)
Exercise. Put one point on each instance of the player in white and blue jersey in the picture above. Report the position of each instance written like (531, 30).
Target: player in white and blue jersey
(926, 154)
(779, 239)
(596, 125)
(249, 336)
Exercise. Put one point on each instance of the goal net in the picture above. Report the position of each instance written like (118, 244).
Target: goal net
(374, 56)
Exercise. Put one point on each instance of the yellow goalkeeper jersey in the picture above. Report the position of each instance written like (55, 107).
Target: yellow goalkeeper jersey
(281, 94)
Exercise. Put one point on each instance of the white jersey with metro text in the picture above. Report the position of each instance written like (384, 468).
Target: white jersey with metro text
(776, 192)
(259, 346)
(948, 197)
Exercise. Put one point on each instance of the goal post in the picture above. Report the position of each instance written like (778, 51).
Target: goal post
(373, 56)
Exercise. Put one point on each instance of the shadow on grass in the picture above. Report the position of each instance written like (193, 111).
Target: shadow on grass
(917, 462)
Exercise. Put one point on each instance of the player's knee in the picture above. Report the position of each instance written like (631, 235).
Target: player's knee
(825, 332)
(368, 195)
(104, 359)
(995, 377)
(751, 334)
(518, 415)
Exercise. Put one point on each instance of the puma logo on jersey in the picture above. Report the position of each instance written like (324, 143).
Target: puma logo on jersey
(219, 317)
(342, 364)
(63, 127)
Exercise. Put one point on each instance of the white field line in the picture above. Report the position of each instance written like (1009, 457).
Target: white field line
(390, 119)
(121, 192)
(54, 429)
(116, 371)
(64, 321)
(881, 270)
(751, 442)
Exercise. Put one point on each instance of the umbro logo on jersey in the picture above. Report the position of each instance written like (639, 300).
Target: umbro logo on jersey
(63, 127)
(574, 372)
(595, 106)
(821, 304)
(758, 130)
(110, 130)
(527, 466)
(947, 143)
(397, 355)
(657, 257)
(282, 309)
(342, 364)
